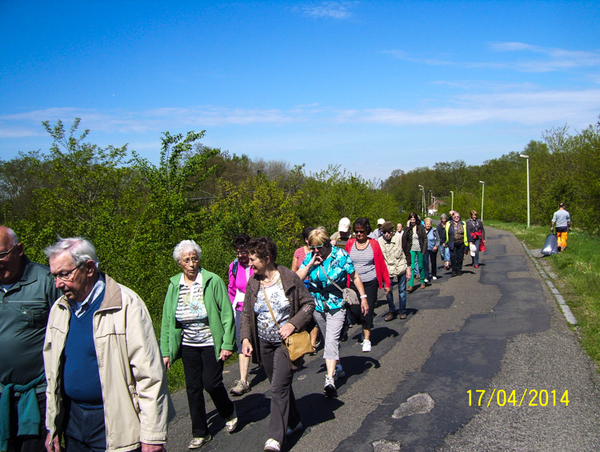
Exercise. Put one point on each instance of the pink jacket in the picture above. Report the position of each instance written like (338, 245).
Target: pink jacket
(238, 282)
(383, 277)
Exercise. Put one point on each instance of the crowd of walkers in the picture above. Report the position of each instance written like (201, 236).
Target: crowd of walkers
(205, 320)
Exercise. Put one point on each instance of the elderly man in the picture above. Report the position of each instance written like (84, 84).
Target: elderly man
(562, 221)
(107, 388)
(26, 296)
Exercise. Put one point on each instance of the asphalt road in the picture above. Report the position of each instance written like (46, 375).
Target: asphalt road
(496, 328)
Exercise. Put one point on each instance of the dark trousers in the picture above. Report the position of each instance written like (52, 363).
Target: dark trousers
(85, 429)
(456, 256)
(203, 371)
(430, 263)
(371, 291)
(28, 443)
(284, 412)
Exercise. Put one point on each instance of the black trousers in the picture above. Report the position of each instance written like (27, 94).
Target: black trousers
(456, 256)
(284, 412)
(203, 371)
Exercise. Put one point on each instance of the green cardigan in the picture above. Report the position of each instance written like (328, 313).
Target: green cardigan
(221, 320)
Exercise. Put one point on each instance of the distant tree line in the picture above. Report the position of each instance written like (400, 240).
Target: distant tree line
(563, 167)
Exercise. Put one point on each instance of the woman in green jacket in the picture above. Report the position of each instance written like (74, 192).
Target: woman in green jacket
(198, 326)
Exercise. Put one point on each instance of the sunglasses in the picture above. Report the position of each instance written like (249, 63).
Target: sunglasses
(359, 231)
(315, 248)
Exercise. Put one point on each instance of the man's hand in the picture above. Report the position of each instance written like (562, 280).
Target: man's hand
(153, 447)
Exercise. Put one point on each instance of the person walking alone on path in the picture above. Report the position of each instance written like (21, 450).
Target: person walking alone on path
(562, 221)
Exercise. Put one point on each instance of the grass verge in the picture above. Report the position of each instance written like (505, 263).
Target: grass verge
(577, 272)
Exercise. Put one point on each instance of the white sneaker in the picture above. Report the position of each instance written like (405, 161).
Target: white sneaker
(366, 346)
(198, 442)
(426, 280)
(329, 388)
(435, 278)
(272, 445)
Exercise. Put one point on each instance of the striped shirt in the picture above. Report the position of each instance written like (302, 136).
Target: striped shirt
(364, 262)
(191, 313)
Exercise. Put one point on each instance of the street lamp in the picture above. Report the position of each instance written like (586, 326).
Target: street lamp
(526, 157)
(452, 208)
(482, 195)
(422, 199)
(429, 201)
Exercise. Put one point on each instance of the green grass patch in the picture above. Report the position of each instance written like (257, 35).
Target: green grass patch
(577, 272)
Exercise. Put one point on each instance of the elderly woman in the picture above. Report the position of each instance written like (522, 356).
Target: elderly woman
(199, 327)
(324, 266)
(274, 296)
(456, 238)
(430, 256)
(476, 236)
(240, 272)
(370, 264)
(444, 251)
(416, 236)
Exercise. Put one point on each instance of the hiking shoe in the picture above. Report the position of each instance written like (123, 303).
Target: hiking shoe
(240, 388)
(410, 289)
(339, 372)
(290, 431)
(423, 286)
(272, 445)
(390, 316)
(197, 443)
(402, 316)
(366, 346)
(329, 388)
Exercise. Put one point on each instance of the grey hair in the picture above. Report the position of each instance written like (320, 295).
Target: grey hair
(12, 237)
(444, 216)
(185, 246)
(80, 249)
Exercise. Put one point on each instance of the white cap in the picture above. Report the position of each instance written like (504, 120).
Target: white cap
(344, 225)
(380, 222)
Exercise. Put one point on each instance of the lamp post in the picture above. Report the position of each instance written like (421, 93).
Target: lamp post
(422, 199)
(428, 201)
(482, 196)
(526, 157)
(452, 207)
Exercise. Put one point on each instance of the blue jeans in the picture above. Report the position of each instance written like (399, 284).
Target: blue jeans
(401, 295)
(430, 263)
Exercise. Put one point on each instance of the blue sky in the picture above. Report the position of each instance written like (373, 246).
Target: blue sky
(371, 85)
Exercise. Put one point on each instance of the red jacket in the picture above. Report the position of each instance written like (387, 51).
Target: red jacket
(383, 277)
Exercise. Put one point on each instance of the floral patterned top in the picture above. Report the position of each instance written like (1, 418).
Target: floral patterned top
(267, 329)
(338, 266)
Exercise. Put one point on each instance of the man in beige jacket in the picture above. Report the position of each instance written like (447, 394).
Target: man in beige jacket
(107, 387)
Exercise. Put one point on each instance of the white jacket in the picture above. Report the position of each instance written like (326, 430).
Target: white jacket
(132, 374)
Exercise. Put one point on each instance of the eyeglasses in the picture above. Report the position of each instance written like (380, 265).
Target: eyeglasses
(6, 253)
(195, 260)
(241, 253)
(360, 231)
(315, 248)
(388, 232)
(66, 276)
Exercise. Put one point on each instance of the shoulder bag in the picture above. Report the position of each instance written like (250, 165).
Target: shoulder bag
(297, 344)
(348, 294)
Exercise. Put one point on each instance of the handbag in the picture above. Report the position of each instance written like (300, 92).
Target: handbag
(297, 344)
(348, 294)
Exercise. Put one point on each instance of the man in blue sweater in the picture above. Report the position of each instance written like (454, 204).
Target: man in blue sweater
(27, 293)
(107, 387)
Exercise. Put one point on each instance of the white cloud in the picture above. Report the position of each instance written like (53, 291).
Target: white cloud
(506, 104)
(330, 10)
(536, 58)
